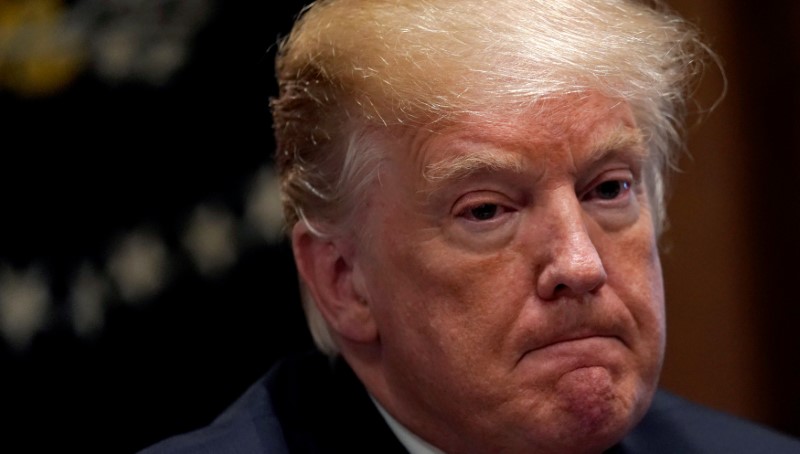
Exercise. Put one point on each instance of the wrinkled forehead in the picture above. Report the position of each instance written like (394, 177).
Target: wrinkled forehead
(577, 121)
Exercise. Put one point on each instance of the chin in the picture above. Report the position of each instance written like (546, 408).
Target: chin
(595, 414)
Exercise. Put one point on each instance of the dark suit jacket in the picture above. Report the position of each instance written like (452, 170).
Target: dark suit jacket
(310, 404)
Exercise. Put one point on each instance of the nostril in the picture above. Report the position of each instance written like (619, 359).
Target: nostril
(560, 288)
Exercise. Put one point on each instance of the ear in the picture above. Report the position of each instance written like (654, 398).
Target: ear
(327, 269)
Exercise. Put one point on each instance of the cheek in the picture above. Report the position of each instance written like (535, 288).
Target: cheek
(459, 305)
(446, 323)
(636, 278)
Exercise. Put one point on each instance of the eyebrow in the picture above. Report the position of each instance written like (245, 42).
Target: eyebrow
(623, 138)
(461, 166)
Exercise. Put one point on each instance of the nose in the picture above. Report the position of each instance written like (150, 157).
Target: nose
(572, 265)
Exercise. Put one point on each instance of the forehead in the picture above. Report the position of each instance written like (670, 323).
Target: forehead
(583, 127)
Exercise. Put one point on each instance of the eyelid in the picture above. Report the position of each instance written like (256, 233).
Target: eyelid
(619, 174)
(467, 214)
(475, 199)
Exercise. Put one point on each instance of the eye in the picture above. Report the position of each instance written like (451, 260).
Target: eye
(482, 212)
(609, 190)
(483, 207)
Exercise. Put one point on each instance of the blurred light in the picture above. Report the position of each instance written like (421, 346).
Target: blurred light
(264, 208)
(138, 266)
(46, 44)
(40, 52)
(210, 239)
(141, 40)
(24, 305)
(87, 302)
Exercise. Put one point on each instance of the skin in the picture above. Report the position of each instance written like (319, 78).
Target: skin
(517, 305)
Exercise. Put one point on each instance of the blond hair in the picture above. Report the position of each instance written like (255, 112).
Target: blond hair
(351, 67)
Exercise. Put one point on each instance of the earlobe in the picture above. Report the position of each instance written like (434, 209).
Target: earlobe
(326, 266)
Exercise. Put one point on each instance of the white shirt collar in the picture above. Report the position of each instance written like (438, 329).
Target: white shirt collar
(412, 443)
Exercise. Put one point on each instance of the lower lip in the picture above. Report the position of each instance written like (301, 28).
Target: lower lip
(564, 356)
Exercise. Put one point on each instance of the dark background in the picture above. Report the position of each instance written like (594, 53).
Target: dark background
(92, 158)
(95, 159)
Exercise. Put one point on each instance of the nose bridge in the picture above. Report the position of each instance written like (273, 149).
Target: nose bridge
(569, 230)
(572, 264)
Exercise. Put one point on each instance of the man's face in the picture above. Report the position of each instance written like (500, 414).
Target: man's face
(511, 268)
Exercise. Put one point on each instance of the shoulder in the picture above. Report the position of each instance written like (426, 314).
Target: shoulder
(674, 424)
(297, 407)
(249, 425)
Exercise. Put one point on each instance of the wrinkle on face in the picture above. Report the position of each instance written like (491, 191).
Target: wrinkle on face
(465, 334)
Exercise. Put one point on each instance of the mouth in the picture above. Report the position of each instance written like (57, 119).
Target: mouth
(585, 348)
(577, 338)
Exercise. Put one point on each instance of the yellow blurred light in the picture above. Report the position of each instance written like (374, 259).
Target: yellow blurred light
(39, 55)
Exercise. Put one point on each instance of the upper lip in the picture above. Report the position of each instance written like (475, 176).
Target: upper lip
(579, 335)
(572, 335)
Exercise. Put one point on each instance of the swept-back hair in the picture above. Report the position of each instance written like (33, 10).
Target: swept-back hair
(350, 68)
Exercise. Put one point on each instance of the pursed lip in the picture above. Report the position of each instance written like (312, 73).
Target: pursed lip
(567, 339)
(577, 337)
